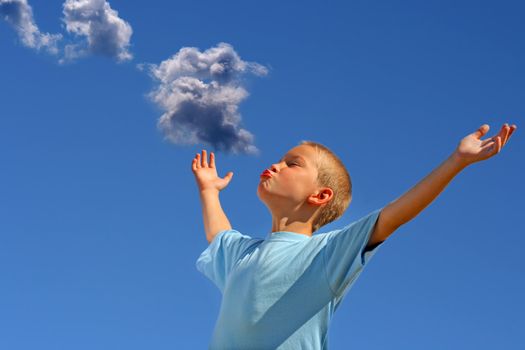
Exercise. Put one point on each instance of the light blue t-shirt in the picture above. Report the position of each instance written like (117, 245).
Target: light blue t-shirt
(281, 292)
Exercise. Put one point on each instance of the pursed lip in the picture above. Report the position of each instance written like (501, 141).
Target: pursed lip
(266, 173)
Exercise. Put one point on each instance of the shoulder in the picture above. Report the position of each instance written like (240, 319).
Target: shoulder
(232, 236)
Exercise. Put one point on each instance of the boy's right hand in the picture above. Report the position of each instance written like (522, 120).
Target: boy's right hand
(206, 175)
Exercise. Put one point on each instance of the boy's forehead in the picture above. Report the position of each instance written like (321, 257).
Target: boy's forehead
(305, 152)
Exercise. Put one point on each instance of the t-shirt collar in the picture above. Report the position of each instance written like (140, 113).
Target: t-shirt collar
(286, 236)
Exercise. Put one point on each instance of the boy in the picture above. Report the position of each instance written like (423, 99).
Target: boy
(281, 291)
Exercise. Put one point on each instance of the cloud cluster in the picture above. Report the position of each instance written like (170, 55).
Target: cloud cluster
(100, 29)
(200, 93)
(104, 31)
(19, 15)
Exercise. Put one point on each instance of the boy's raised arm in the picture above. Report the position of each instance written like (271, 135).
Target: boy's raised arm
(210, 184)
(470, 150)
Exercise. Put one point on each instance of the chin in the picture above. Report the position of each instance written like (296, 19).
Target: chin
(262, 193)
(259, 192)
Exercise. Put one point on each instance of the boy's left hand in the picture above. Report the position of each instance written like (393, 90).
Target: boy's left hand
(472, 149)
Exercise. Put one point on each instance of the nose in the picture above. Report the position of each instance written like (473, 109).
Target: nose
(275, 167)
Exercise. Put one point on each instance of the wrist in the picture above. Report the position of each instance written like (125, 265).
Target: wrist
(209, 192)
(457, 161)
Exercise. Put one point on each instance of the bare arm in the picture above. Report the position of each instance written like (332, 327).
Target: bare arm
(410, 204)
(214, 218)
(470, 150)
(210, 184)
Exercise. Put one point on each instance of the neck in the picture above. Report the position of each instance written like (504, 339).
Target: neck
(292, 224)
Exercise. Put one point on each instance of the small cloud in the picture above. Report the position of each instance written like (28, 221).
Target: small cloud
(105, 32)
(19, 15)
(200, 93)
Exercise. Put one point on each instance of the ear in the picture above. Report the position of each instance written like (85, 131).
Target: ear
(321, 196)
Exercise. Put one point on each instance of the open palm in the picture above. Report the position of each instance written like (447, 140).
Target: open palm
(206, 173)
(473, 149)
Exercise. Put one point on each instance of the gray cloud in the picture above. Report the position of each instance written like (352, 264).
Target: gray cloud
(19, 15)
(105, 32)
(200, 93)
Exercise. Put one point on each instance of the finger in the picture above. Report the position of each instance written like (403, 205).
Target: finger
(204, 159)
(497, 145)
(490, 149)
(487, 147)
(487, 141)
(482, 130)
(194, 164)
(500, 134)
(512, 129)
(228, 177)
(198, 161)
(506, 133)
(212, 160)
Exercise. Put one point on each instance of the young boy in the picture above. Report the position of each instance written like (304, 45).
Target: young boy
(281, 291)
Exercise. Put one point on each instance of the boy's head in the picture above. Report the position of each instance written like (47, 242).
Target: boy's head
(310, 183)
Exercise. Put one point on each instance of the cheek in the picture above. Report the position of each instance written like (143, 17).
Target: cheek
(299, 184)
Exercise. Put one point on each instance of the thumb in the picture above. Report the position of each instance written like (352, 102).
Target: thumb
(481, 131)
(228, 177)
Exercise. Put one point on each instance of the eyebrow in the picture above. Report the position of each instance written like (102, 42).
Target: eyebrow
(293, 156)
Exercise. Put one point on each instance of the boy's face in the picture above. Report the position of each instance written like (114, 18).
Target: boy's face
(291, 180)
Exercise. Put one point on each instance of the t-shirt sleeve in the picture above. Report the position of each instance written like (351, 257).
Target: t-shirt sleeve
(218, 259)
(345, 252)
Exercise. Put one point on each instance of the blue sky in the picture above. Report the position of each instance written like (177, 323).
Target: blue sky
(100, 219)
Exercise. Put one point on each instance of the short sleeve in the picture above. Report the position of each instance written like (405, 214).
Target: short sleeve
(218, 259)
(345, 252)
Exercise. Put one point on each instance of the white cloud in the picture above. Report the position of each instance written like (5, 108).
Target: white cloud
(105, 32)
(200, 93)
(19, 15)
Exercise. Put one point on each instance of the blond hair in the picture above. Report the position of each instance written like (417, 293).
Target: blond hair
(333, 174)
